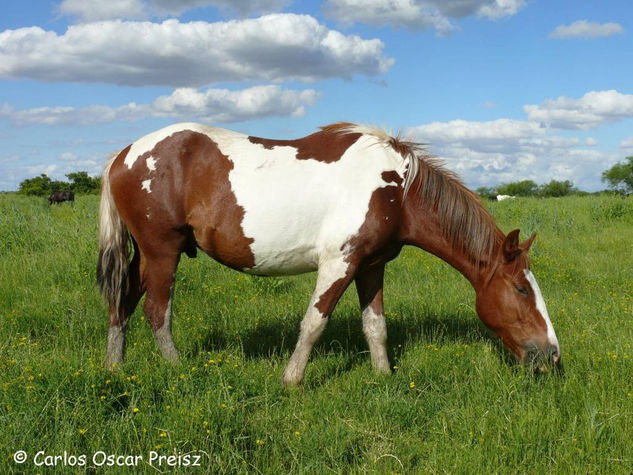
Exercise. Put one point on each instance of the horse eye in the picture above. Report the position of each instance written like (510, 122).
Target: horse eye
(522, 289)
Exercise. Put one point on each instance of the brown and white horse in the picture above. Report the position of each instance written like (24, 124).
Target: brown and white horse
(342, 201)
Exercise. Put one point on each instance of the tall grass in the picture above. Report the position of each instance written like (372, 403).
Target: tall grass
(456, 402)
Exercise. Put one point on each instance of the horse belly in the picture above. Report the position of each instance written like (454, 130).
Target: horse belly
(286, 237)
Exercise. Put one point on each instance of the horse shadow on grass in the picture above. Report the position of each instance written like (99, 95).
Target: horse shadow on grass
(343, 336)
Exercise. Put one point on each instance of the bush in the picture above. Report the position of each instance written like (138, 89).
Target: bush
(487, 192)
(620, 176)
(613, 210)
(557, 188)
(519, 188)
(80, 183)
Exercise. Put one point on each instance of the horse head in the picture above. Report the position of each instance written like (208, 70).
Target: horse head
(510, 303)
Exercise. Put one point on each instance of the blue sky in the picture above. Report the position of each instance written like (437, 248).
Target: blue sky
(502, 90)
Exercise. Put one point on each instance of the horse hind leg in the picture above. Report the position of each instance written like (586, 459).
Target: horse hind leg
(369, 284)
(119, 318)
(160, 273)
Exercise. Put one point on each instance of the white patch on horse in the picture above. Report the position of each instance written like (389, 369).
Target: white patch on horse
(540, 306)
(146, 185)
(375, 330)
(328, 202)
(151, 164)
(147, 143)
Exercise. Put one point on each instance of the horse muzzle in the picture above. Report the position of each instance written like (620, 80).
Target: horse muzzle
(543, 360)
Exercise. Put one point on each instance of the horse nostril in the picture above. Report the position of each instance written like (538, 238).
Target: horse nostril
(544, 359)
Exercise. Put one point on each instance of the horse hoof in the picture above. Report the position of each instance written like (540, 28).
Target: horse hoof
(112, 365)
(291, 383)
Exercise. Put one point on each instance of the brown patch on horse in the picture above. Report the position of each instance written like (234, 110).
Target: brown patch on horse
(373, 244)
(191, 203)
(327, 146)
(329, 298)
(269, 144)
(391, 177)
(164, 231)
(213, 213)
(369, 286)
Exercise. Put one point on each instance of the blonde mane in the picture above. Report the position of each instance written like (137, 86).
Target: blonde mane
(463, 219)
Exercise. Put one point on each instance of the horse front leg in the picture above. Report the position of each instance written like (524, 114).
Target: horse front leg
(369, 284)
(332, 280)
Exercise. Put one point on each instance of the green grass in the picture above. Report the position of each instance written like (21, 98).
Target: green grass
(456, 403)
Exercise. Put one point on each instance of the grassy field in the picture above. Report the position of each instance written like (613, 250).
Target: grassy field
(456, 403)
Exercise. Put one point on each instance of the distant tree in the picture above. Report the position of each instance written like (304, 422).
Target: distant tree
(39, 186)
(620, 176)
(486, 191)
(557, 188)
(82, 183)
(518, 188)
(59, 185)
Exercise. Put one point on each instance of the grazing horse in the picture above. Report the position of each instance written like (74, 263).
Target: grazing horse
(342, 201)
(61, 196)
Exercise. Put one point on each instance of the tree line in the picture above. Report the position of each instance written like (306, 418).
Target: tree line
(530, 188)
(619, 179)
(79, 183)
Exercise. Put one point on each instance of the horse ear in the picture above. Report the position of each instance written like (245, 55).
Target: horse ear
(528, 243)
(510, 247)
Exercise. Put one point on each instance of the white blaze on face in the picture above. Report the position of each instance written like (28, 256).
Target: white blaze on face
(540, 306)
(146, 185)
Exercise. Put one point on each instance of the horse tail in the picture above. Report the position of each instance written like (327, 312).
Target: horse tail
(114, 249)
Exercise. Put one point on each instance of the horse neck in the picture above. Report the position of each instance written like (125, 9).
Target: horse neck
(421, 227)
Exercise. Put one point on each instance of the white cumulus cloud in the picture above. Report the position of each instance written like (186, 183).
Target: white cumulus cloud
(418, 14)
(493, 152)
(212, 106)
(627, 143)
(505, 150)
(277, 47)
(590, 111)
(586, 29)
(241, 7)
(95, 10)
(474, 133)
